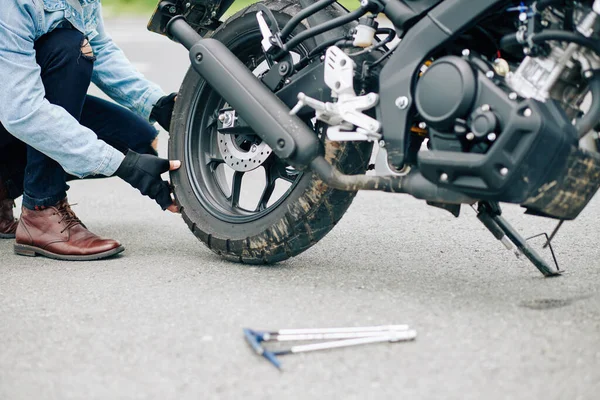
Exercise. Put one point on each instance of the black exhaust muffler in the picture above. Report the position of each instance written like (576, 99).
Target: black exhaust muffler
(290, 138)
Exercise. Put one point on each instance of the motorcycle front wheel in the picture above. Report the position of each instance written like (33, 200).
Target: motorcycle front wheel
(235, 195)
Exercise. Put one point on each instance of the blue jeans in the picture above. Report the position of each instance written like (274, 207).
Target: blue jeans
(66, 74)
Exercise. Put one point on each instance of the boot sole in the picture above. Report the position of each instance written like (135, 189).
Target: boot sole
(7, 236)
(31, 251)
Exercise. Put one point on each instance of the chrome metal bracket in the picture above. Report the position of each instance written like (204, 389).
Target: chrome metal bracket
(345, 117)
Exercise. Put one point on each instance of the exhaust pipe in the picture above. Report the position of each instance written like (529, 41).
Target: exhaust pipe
(414, 184)
(290, 138)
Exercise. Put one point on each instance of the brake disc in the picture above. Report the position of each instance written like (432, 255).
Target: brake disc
(242, 152)
(242, 157)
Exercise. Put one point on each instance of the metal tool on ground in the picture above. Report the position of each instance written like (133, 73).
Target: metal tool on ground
(339, 337)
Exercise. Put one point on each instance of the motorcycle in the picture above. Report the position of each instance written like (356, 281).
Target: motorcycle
(456, 102)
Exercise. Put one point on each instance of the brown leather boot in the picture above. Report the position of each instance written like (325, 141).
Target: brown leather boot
(8, 223)
(56, 232)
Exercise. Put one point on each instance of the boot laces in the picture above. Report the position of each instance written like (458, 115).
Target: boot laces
(68, 216)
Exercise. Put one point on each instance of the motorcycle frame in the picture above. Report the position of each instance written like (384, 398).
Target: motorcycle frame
(432, 24)
(288, 136)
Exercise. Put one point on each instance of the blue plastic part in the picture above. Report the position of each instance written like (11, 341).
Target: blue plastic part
(272, 359)
(253, 341)
(260, 335)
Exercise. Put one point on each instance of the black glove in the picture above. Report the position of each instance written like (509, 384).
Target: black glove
(163, 110)
(142, 171)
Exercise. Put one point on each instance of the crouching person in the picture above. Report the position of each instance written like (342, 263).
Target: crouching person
(50, 52)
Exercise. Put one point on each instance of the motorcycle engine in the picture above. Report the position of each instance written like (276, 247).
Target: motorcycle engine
(508, 136)
(559, 73)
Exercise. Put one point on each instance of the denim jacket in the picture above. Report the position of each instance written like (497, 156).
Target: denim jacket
(25, 112)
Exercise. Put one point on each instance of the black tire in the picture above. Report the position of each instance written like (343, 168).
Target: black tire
(302, 217)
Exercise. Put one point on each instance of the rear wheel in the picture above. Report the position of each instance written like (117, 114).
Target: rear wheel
(236, 196)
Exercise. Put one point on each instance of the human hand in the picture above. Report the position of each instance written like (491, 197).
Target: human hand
(142, 171)
(163, 110)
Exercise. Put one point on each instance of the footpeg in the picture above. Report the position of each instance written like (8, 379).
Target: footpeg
(345, 117)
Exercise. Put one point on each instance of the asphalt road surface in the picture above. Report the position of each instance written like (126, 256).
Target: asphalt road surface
(164, 321)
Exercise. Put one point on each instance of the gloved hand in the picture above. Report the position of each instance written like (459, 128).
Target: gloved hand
(163, 110)
(142, 171)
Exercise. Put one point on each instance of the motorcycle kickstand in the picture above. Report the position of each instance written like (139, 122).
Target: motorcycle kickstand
(490, 214)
